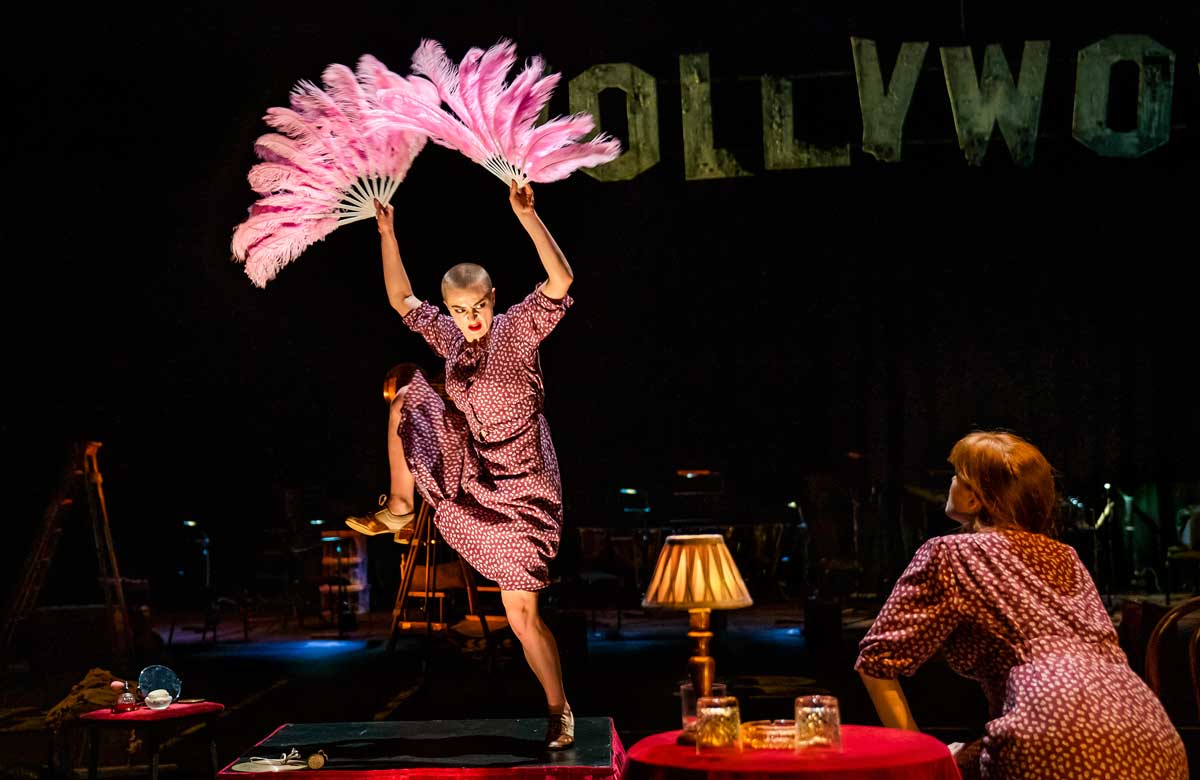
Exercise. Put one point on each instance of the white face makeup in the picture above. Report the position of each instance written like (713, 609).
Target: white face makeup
(471, 308)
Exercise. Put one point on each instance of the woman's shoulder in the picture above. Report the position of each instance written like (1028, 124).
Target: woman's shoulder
(1004, 541)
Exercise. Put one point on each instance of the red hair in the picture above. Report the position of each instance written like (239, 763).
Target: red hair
(1011, 478)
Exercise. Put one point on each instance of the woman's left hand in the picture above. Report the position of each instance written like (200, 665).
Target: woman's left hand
(521, 199)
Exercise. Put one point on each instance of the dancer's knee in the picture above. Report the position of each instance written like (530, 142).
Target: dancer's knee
(521, 622)
(522, 617)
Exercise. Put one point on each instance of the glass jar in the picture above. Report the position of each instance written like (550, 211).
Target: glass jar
(126, 700)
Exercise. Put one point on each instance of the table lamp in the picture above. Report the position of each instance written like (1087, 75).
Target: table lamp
(696, 572)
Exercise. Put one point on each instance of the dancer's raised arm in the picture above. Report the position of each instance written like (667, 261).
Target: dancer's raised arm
(558, 271)
(395, 278)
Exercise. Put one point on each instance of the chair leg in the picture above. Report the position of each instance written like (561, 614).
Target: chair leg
(152, 749)
(212, 748)
(93, 752)
(66, 762)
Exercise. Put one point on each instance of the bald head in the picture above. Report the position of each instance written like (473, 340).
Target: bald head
(466, 276)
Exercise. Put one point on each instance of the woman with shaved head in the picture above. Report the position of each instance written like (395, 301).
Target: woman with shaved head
(486, 464)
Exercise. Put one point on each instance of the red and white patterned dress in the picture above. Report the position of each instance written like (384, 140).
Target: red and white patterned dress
(1019, 613)
(489, 467)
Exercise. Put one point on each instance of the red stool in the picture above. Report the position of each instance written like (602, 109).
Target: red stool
(152, 724)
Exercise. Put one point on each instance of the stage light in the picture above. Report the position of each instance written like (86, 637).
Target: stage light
(330, 538)
(316, 522)
(190, 523)
(633, 500)
(791, 505)
(1108, 486)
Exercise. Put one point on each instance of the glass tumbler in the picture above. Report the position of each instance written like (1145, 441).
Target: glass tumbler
(687, 696)
(718, 722)
(818, 723)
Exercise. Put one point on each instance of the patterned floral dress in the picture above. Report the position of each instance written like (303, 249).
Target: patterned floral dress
(488, 467)
(1019, 613)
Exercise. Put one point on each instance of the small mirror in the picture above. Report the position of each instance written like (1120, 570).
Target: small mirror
(155, 678)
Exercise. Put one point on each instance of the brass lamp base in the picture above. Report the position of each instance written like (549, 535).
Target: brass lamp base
(701, 666)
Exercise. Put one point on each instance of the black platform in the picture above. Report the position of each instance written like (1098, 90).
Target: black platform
(467, 748)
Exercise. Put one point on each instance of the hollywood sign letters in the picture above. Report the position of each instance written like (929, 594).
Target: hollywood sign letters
(979, 102)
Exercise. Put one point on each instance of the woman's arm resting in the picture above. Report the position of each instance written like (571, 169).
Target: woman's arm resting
(889, 701)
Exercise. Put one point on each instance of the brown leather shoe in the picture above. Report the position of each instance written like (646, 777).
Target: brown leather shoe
(394, 522)
(382, 522)
(560, 730)
(368, 525)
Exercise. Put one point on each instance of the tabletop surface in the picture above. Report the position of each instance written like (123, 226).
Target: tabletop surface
(144, 713)
(863, 747)
(395, 745)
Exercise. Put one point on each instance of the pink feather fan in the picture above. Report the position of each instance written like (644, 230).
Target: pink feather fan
(493, 123)
(324, 167)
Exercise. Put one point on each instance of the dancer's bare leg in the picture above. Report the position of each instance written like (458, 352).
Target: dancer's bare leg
(541, 651)
(397, 513)
(400, 490)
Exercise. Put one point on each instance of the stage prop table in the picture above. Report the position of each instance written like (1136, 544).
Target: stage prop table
(512, 749)
(868, 753)
(152, 724)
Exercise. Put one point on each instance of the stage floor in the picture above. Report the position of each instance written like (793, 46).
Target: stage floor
(511, 748)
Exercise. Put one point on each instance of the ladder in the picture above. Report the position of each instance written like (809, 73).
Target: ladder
(80, 476)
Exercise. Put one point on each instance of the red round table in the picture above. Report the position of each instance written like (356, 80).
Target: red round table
(867, 753)
(150, 721)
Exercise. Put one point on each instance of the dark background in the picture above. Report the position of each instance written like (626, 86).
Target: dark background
(763, 327)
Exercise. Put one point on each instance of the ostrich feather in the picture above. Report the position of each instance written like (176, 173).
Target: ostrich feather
(490, 122)
(323, 166)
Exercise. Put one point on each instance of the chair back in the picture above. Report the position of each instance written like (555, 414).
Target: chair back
(1166, 657)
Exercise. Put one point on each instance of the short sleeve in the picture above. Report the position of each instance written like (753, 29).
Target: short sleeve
(436, 328)
(917, 618)
(533, 318)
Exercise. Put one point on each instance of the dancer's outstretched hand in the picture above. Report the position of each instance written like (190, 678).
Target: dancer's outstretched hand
(383, 218)
(521, 199)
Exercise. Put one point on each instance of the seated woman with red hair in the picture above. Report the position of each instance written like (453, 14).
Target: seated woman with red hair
(1017, 611)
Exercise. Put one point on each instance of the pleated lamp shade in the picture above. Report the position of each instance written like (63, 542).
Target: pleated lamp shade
(696, 571)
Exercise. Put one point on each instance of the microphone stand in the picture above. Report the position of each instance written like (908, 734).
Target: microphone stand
(1107, 552)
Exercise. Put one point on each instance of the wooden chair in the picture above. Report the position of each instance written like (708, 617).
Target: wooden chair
(1166, 654)
(1164, 630)
(424, 578)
